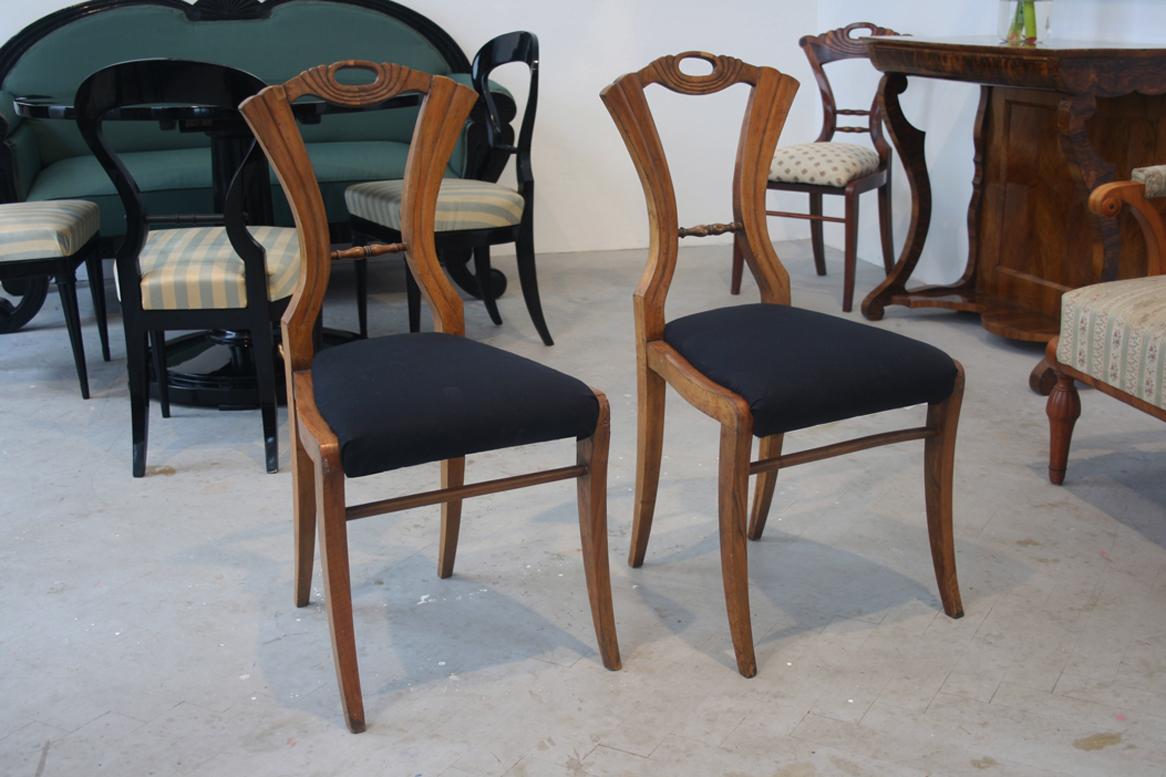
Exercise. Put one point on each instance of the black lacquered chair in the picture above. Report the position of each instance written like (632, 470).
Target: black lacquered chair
(52, 238)
(202, 271)
(472, 215)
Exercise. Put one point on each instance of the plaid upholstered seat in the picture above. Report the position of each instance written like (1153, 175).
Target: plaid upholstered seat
(43, 230)
(1116, 332)
(462, 204)
(197, 268)
(822, 164)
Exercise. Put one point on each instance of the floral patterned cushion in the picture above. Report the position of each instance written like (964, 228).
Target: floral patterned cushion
(823, 164)
(1116, 332)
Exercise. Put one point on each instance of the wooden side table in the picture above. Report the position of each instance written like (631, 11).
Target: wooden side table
(1054, 122)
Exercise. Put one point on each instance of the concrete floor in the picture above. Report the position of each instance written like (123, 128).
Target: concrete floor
(147, 626)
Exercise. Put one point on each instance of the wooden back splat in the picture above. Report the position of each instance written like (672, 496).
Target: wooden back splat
(441, 120)
(1108, 199)
(841, 44)
(765, 114)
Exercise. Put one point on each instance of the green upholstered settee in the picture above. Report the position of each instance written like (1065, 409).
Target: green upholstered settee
(43, 159)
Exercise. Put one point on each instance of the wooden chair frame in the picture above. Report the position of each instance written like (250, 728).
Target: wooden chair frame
(317, 474)
(658, 364)
(821, 50)
(1064, 403)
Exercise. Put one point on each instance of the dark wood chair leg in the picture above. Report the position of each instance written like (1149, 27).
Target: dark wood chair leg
(304, 515)
(592, 488)
(851, 251)
(67, 290)
(767, 448)
(96, 272)
(817, 242)
(886, 225)
(649, 448)
(938, 473)
(453, 475)
(482, 275)
(413, 296)
(263, 346)
(360, 266)
(139, 386)
(158, 355)
(733, 498)
(1063, 410)
(333, 528)
(738, 267)
(528, 279)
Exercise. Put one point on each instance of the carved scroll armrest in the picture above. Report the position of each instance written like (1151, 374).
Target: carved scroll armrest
(1109, 198)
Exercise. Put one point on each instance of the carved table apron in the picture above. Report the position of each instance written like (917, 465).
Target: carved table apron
(1054, 122)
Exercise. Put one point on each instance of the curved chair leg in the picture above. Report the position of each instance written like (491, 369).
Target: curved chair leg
(263, 346)
(361, 268)
(592, 488)
(886, 225)
(733, 498)
(649, 448)
(304, 494)
(938, 469)
(139, 386)
(768, 448)
(817, 242)
(482, 276)
(158, 354)
(338, 586)
(413, 295)
(67, 289)
(524, 246)
(738, 268)
(453, 474)
(96, 272)
(851, 251)
(1063, 410)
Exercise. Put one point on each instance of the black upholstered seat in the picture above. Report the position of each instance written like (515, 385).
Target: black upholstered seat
(798, 368)
(407, 399)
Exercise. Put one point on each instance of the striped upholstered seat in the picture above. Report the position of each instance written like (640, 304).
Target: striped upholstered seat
(1116, 332)
(461, 204)
(196, 268)
(43, 230)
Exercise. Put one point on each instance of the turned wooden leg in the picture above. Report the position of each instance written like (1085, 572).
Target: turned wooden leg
(738, 268)
(817, 243)
(938, 468)
(768, 448)
(592, 487)
(304, 512)
(453, 475)
(733, 496)
(649, 448)
(333, 528)
(1063, 409)
(851, 258)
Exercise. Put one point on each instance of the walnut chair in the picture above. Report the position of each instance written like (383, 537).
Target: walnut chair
(1113, 335)
(828, 167)
(764, 369)
(217, 274)
(374, 405)
(471, 215)
(53, 238)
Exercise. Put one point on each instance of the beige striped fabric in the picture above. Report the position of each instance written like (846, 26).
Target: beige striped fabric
(461, 204)
(43, 230)
(196, 268)
(1116, 332)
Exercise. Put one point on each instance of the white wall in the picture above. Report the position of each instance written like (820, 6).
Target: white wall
(588, 196)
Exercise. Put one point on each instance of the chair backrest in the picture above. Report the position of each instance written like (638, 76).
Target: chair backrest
(511, 47)
(770, 98)
(841, 44)
(154, 82)
(440, 121)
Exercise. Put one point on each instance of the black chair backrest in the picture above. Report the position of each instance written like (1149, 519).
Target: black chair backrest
(159, 82)
(511, 47)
